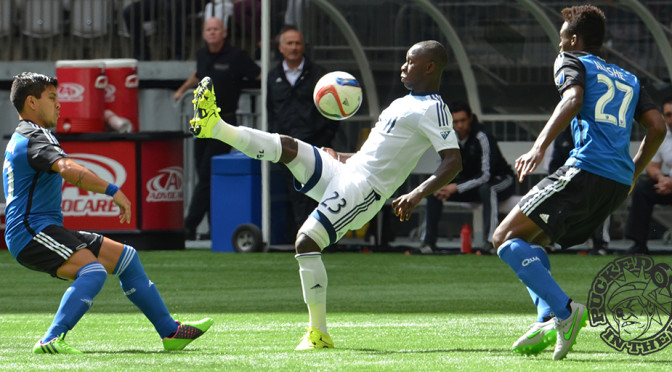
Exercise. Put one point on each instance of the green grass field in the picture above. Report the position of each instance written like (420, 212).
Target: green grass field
(387, 312)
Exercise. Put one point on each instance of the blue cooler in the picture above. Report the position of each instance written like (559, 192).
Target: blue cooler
(235, 199)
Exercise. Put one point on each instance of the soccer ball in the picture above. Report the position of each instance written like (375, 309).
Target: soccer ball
(337, 95)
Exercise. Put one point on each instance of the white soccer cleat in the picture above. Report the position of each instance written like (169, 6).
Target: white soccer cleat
(537, 338)
(568, 329)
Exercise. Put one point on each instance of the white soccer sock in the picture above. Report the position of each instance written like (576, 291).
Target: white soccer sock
(314, 283)
(254, 143)
(303, 165)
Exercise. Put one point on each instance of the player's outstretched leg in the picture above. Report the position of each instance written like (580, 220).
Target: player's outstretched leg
(143, 293)
(76, 301)
(568, 329)
(207, 123)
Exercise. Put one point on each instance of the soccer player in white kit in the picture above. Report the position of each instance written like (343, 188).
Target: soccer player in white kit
(352, 188)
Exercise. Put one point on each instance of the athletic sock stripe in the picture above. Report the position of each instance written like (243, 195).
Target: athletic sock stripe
(53, 246)
(352, 214)
(125, 259)
(92, 267)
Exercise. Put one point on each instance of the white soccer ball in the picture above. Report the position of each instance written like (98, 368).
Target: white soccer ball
(337, 95)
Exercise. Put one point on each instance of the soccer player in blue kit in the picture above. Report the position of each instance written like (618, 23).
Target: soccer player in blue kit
(351, 188)
(34, 169)
(600, 102)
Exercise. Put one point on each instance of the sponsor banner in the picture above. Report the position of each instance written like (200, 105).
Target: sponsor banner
(112, 161)
(162, 193)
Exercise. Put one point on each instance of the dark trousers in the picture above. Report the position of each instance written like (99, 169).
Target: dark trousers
(489, 194)
(204, 150)
(644, 197)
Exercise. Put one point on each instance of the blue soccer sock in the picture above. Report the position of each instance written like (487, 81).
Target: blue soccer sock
(77, 299)
(527, 263)
(544, 311)
(143, 293)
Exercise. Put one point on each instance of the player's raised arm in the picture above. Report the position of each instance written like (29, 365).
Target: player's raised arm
(87, 180)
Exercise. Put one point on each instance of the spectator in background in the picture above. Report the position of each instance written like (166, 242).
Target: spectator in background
(291, 111)
(232, 69)
(485, 178)
(562, 146)
(653, 188)
(139, 12)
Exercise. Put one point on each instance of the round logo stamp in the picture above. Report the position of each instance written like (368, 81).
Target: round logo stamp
(631, 297)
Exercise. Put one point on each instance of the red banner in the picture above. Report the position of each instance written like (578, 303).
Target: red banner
(112, 161)
(161, 180)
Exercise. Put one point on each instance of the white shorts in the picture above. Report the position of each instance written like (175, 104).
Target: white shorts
(346, 201)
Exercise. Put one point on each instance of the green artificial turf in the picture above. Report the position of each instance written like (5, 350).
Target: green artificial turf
(387, 312)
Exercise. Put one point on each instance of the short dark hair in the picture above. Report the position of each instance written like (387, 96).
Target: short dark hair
(587, 22)
(436, 52)
(286, 28)
(667, 100)
(458, 106)
(29, 84)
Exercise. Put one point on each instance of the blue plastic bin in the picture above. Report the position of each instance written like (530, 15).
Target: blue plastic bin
(235, 199)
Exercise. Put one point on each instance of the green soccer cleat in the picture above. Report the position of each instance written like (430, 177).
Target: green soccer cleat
(56, 345)
(186, 332)
(206, 112)
(568, 329)
(536, 339)
(315, 339)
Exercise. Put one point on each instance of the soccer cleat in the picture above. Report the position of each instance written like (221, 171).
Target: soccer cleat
(56, 345)
(186, 332)
(536, 339)
(206, 112)
(315, 339)
(568, 329)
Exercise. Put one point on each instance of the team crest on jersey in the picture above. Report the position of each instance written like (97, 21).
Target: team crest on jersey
(631, 298)
(445, 134)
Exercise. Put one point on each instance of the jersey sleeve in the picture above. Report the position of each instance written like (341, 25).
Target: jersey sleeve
(437, 125)
(644, 104)
(568, 70)
(43, 151)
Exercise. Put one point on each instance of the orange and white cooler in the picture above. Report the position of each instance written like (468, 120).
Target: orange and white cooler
(81, 93)
(121, 94)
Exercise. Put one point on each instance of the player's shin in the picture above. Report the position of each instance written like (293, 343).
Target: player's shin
(314, 283)
(77, 299)
(254, 143)
(527, 264)
(143, 293)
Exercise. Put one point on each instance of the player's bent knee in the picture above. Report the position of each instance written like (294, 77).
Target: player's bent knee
(304, 244)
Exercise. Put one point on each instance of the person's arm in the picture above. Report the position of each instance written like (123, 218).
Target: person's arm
(340, 156)
(87, 180)
(190, 83)
(451, 165)
(655, 134)
(655, 170)
(566, 110)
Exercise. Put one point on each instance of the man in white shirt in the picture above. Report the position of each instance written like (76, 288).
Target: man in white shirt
(351, 188)
(651, 190)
